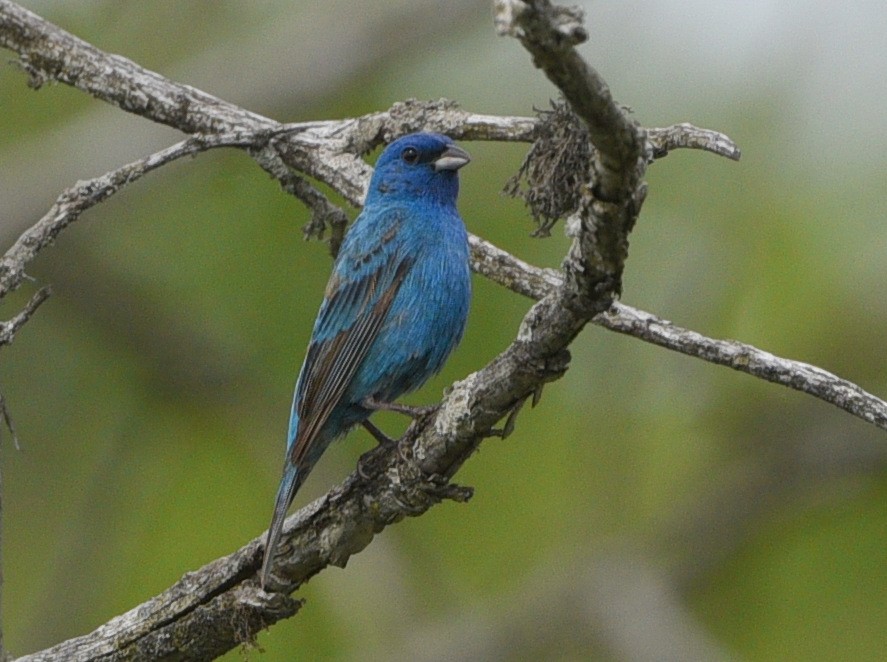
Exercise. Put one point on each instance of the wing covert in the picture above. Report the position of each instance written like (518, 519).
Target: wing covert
(346, 328)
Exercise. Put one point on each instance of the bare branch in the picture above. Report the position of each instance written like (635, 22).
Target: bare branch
(10, 328)
(323, 212)
(325, 150)
(535, 283)
(49, 53)
(686, 135)
(75, 200)
(751, 360)
(513, 273)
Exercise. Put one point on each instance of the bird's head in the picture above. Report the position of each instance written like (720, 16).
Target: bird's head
(422, 165)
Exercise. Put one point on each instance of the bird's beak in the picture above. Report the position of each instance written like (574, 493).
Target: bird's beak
(452, 158)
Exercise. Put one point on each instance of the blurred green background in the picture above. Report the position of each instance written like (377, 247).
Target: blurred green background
(651, 504)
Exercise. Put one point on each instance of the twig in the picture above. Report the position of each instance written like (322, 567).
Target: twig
(662, 141)
(9, 328)
(75, 200)
(323, 212)
(511, 272)
(748, 359)
(536, 283)
(49, 53)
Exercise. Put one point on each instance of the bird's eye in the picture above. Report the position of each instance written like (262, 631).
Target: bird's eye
(410, 155)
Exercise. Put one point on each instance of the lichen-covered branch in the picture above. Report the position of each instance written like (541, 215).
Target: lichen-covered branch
(612, 192)
(535, 282)
(324, 214)
(550, 33)
(72, 202)
(745, 358)
(48, 53)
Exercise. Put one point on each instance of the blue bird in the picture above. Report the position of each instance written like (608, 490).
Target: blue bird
(394, 308)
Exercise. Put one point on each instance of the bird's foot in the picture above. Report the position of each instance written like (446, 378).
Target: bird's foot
(383, 440)
(409, 410)
(361, 468)
(378, 435)
(508, 427)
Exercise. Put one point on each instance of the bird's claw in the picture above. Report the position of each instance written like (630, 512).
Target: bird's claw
(506, 430)
(382, 438)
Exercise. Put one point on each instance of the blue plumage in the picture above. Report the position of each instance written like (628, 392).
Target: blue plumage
(394, 308)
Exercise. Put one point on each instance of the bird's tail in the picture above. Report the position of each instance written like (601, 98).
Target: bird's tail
(290, 482)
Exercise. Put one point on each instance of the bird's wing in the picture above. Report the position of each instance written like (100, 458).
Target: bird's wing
(353, 312)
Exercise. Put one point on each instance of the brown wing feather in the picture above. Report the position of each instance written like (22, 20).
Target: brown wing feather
(332, 364)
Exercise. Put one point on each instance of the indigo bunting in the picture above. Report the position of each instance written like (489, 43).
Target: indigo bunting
(394, 308)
